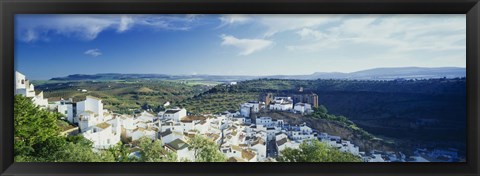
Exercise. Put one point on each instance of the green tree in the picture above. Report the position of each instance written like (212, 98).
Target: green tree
(37, 138)
(316, 151)
(32, 125)
(152, 151)
(47, 149)
(205, 150)
(82, 152)
(323, 109)
(121, 153)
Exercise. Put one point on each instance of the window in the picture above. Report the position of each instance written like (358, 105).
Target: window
(23, 81)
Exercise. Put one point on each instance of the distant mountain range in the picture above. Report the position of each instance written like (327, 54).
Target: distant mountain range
(387, 74)
(370, 74)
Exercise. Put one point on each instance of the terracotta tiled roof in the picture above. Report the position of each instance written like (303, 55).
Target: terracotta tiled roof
(192, 118)
(166, 133)
(92, 97)
(258, 141)
(282, 141)
(103, 125)
(236, 159)
(177, 144)
(236, 147)
(172, 111)
(248, 155)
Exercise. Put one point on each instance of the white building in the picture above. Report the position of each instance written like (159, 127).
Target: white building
(347, 146)
(168, 136)
(413, 158)
(239, 154)
(150, 133)
(266, 122)
(340, 144)
(260, 147)
(193, 123)
(234, 135)
(231, 113)
(180, 147)
(253, 106)
(92, 104)
(282, 104)
(90, 112)
(146, 117)
(171, 125)
(39, 100)
(300, 133)
(66, 108)
(23, 87)
(375, 158)
(344, 146)
(245, 110)
(240, 119)
(128, 124)
(103, 135)
(303, 108)
(173, 114)
(282, 142)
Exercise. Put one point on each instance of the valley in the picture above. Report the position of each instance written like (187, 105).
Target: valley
(404, 113)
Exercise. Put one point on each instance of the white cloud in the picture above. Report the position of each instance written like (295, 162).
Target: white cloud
(307, 33)
(32, 28)
(399, 33)
(402, 33)
(93, 52)
(279, 23)
(125, 23)
(167, 22)
(230, 19)
(30, 36)
(247, 46)
(282, 23)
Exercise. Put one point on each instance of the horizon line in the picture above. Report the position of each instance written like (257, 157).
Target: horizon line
(247, 75)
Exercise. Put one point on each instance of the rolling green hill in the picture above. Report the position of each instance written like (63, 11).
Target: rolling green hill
(124, 96)
(411, 112)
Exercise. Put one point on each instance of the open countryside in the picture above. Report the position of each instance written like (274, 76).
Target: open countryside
(240, 88)
(258, 119)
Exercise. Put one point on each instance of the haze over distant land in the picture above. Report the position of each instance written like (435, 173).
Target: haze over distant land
(48, 46)
(371, 74)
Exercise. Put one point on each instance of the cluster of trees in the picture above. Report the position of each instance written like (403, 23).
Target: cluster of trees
(122, 97)
(429, 86)
(205, 150)
(316, 151)
(321, 112)
(216, 102)
(226, 96)
(37, 137)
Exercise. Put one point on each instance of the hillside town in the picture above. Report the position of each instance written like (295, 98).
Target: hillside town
(240, 137)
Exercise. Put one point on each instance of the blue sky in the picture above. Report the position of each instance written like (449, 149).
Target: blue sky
(49, 46)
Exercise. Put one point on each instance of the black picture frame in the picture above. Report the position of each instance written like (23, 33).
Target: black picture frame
(8, 8)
